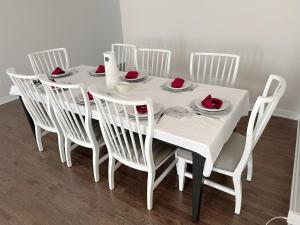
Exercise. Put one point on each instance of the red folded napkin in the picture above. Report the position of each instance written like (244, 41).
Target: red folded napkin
(90, 96)
(100, 69)
(132, 75)
(212, 103)
(57, 71)
(177, 83)
(142, 109)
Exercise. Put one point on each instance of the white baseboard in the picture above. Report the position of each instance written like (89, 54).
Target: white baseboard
(293, 218)
(287, 114)
(284, 113)
(7, 99)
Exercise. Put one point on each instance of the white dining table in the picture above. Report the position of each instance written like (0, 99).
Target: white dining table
(203, 135)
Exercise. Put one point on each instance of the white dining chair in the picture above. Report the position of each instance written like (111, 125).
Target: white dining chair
(125, 55)
(237, 152)
(44, 62)
(214, 68)
(36, 105)
(75, 120)
(154, 62)
(129, 139)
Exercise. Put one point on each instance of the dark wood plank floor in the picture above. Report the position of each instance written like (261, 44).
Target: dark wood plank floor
(37, 189)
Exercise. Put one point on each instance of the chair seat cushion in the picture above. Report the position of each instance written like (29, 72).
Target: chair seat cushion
(230, 155)
(96, 129)
(160, 150)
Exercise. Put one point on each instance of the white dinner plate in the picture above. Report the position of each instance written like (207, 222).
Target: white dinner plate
(140, 77)
(93, 73)
(197, 103)
(80, 100)
(186, 85)
(67, 73)
(156, 108)
(202, 112)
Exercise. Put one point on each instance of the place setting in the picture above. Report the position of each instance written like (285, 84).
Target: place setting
(210, 106)
(98, 72)
(91, 100)
(133, 76)
(59, 72)
(80, 99)
(142, 111)
(179, 85)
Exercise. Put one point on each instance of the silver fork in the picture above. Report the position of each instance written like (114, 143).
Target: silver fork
(200, 114)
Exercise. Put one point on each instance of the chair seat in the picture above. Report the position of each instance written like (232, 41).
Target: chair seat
(96, 129)
(230, 155)
(160, 151)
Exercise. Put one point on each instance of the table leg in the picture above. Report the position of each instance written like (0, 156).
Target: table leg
(30, 121)
(198, 180)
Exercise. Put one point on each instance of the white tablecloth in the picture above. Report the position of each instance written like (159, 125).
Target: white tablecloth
(200, 134)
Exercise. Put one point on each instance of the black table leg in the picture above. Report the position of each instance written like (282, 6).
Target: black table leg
(30, 121)
(198, 180)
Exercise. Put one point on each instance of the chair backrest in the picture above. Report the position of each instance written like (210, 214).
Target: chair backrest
(261, 114)
(44, 62)
(214, 68)
(34, 99)
(74, 119)
(126, 136)
(125, 55)
(154, 62)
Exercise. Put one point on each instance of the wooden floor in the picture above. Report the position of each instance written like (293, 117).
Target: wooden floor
(37, 189)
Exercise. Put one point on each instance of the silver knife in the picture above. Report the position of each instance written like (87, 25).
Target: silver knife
(161, 115)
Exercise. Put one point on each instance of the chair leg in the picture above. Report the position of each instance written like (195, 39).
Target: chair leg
(96, 163)
(238, 194)
(150, 189)
(61, 147)
(68, 152)
(111, 172)
(181, 169)
(38, 137)
(250, 168)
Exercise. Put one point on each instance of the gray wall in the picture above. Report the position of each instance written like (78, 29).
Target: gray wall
(85, 28)
(265, 33)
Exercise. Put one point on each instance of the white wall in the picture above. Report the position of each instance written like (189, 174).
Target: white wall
(85, 28)
(265, 33)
